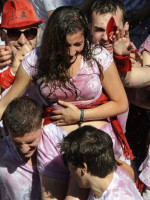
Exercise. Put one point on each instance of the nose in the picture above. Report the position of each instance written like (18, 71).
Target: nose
(104, 36)
(72, 51)
(25, 148)
(22, 39)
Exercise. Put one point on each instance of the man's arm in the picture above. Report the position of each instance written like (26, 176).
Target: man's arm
(138, 77)
(74, 192)
(53, 189)
(139, 97)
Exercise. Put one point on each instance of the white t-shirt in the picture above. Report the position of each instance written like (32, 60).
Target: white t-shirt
(20, 180)
(41, 8)
(121, 188)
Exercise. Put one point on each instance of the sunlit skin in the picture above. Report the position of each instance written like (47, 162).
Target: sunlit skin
(79, 176)
(26, 145)
(16, 45)
(75, 43)
(99, 24)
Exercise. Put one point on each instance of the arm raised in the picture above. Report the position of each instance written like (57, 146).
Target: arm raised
(19, 86)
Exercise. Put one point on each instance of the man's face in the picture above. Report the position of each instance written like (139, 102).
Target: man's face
(99, 24)
(26, 145)
(80, 176)
(17, 38)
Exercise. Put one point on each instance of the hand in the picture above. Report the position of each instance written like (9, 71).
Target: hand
(121, 43)
(69, 115)
(5, 55)
(136, 59)
(19, 56)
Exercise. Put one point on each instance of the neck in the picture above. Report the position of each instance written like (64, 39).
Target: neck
(32, 161)
(99, 185)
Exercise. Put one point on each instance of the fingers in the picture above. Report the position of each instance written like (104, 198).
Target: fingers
(139, 58)
(5, 55)
(56, 117)
(25, 49)
(5, 51)
(132, 60)
(7, 62)
(130, 46)
(65, 104)
(5, 58)
(60, 123)
(119, 34)
(136, 57)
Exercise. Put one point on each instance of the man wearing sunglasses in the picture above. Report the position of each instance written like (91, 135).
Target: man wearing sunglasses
(21, 26)
(20, 23)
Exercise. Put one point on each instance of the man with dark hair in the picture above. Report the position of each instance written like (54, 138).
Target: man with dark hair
(90, 157)
(18, 170)
(23, 152)
(99, 13)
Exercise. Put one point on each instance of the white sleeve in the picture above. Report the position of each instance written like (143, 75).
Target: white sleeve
(52, 4)
(103, 57)
(49, 158)
(29, 62)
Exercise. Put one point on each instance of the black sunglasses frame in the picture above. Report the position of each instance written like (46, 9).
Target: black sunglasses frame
(14, 34)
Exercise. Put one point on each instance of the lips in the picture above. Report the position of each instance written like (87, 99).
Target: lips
(108, 47)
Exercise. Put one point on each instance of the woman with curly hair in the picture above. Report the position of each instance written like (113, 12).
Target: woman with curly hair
(71, 74)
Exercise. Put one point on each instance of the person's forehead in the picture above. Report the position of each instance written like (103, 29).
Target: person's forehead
(26, 137)
(23, 29)
(78, 36)
(99, 19)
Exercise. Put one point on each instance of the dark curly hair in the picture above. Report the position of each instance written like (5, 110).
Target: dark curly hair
(55, 61)
(92, 146)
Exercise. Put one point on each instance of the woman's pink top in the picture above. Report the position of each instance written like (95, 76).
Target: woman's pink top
(87, 80)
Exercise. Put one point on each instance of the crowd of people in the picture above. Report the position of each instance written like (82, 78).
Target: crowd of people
(68, 73)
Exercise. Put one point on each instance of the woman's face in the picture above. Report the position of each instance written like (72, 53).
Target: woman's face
(75, 43)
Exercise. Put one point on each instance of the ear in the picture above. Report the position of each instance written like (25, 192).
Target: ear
(126, 26)
(84, 168)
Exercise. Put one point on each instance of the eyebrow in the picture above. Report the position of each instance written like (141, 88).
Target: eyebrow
(99, 28)
(29, 142)
(78, 42)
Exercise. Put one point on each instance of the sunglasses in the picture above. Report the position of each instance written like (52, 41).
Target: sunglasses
(14, 34)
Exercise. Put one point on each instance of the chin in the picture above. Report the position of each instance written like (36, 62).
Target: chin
(81, 185)
(28, 155)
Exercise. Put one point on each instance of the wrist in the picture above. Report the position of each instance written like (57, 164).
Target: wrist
(13, 71)
(123, 63)
(81, 116)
